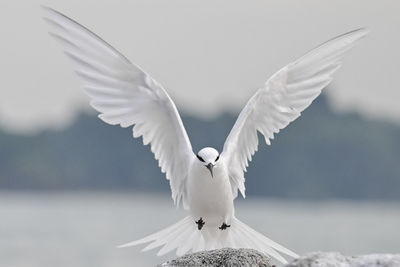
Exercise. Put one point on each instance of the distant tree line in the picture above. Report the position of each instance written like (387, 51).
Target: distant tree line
(320, 155)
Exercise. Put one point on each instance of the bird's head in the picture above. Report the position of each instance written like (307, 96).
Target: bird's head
(208, 156)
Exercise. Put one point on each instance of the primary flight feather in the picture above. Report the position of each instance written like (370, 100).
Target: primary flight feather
(206, 183)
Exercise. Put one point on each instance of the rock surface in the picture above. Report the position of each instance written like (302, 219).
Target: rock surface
(249, 257)
(334, 259)
(225, 257)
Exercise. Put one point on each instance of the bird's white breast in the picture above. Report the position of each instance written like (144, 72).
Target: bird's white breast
(210, 197)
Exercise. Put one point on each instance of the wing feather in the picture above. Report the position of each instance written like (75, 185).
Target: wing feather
(127, 96)
(282, 99)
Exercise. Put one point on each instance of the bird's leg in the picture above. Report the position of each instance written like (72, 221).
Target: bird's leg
(200, 223)
(224, 226)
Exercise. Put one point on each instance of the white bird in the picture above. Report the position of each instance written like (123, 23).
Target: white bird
(205, 183)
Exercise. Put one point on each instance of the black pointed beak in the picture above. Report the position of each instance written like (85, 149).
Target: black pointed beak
(210, 167)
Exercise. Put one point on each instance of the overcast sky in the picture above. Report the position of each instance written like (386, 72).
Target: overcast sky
(210, 55)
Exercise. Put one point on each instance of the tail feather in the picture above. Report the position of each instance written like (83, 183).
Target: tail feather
(268, 242)
(256, 242)
(165, 240)
(194, 243)
(184, 237)
(186, 244)
(160, 235)
(177, 242)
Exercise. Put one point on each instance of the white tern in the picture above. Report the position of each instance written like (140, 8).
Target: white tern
(205, 183)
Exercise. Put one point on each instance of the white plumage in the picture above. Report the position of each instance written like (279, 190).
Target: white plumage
(284, 96)
(206, 183)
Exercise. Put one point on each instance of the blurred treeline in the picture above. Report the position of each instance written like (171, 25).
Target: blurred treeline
(320, 155)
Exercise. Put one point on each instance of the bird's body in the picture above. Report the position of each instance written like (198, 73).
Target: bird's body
(210, 199)
(205, 183)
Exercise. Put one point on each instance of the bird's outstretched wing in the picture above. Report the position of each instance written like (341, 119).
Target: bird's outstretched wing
(126, 95)
(284, 96)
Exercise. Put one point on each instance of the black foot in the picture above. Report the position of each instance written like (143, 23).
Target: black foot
(200, 223)
(224, 226)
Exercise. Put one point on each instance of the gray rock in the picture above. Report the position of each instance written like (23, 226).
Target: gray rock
(228, 257)
(334, 259)
(225, 257)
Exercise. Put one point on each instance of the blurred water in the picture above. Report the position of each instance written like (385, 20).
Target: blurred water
(82, 229)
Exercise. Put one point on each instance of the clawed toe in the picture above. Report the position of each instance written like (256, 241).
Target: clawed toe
(224, 226)
(200, 223)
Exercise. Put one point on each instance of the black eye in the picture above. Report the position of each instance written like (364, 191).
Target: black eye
(200, 158)
(217, 158)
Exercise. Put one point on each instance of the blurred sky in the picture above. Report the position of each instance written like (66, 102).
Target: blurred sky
(210, 55)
